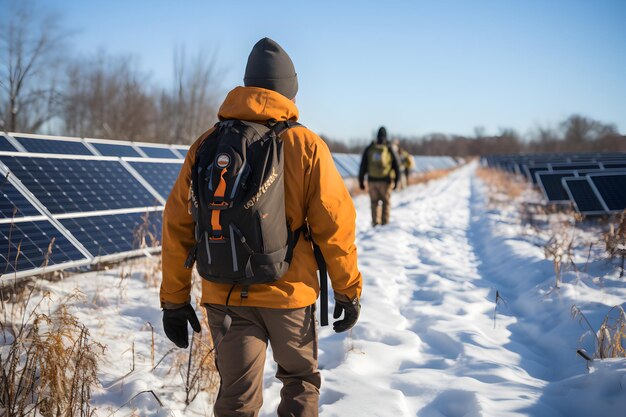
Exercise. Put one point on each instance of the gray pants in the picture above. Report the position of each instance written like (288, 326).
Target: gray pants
(380, 192)
(240, 359)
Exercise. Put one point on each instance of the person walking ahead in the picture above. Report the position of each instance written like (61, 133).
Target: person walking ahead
(281, 312)
(380, 164)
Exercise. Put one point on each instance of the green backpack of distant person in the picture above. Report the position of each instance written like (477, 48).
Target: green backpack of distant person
(379, 161)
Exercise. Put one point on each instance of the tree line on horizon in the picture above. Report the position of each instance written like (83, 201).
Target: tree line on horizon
(45, 87)
(575, 134)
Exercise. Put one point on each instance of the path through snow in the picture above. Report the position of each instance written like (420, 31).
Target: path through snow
(426, 343)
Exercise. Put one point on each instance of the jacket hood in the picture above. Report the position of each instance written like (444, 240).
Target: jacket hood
(257, 104)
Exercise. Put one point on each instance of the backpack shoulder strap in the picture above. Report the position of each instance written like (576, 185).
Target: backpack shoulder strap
(279, 128)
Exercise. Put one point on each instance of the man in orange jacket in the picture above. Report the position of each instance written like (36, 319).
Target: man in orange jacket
(281, 313)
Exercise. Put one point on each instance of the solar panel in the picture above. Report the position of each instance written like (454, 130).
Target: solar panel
(582, 195)
(113, 149)
(110, 234)
(33, 244)
(54, 146)
(550, 184)
(161, 176)
(12, 203)
(67, 185)
(5, 145)
(354, 163)
(612, 189)
(342, 170)
(531, 170)
(613, 165)
(156, 152)
(569, 167)
(181, 149)
(347, 163)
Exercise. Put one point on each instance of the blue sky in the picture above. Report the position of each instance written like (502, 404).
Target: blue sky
(415, 66)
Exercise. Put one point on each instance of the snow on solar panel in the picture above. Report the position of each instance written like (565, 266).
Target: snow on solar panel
(156, 152)
(54, 146)
(66, 184)
(5, 145)
(582, 195)
(111, 234)
(612, 189)
(113, 149)
(160, 175)
(33, 244)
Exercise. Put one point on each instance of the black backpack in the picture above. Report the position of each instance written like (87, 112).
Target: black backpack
(238, 206)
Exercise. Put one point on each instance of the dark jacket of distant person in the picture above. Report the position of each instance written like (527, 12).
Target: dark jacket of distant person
(394, 176)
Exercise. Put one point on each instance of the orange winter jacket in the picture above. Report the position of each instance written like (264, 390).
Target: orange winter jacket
(314, 192)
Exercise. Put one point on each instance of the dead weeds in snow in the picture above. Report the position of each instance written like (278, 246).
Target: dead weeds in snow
(49, 362)
(615, 241)
(610, 335)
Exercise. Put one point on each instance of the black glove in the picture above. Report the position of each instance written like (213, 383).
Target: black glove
(361, 186)
(175, 324)
(351, 311)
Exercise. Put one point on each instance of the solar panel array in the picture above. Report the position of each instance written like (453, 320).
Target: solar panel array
(593, 183)
(71, 202)
(348, 164)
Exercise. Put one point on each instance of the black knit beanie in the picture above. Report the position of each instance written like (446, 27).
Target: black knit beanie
(270, 67)
(382, 135)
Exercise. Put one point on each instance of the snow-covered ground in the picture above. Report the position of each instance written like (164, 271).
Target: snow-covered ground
(426, 344)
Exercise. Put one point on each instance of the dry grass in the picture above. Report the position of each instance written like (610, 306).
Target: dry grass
(503, 186)
(610, 335)
(196, 367)
(424, 177)
(49, 363)
(615, 241)
(414, 179)
(558, 249)
(145, 237)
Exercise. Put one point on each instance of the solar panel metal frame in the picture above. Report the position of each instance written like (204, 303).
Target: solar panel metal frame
(530, 175)
(50, 138)
(55, 218)
(571, 166)
(127, 160)
(14, 143)
(595, 192)
(177, 150)
(44, 215)
(95, 259)
(166, 146)
(541, 185)
(91, 141)
(131, 171)
(619, 162)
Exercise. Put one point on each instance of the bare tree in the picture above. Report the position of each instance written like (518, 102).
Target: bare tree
(31, 49)
(108, 97)
(580, 133)
(190, 107)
